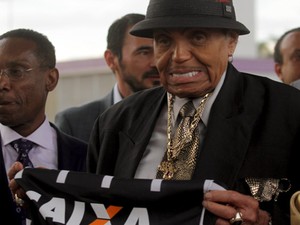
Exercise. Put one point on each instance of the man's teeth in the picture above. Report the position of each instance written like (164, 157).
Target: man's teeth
(189, 74)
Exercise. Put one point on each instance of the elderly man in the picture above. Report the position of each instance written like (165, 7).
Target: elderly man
(243, 134)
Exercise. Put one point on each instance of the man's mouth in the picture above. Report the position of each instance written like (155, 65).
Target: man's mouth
(189, 74)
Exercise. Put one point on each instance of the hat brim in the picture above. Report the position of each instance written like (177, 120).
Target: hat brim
(146, 27)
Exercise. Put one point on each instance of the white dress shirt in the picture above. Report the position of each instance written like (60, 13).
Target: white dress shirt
(43, 154)
(296, 84)
(117, 94)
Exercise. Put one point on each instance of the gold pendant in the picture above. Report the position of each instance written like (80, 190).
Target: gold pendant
(264, 189)
(168, 169)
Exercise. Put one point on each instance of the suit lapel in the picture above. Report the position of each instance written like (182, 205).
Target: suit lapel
(8, 207)
(229, 131)
(135, 141)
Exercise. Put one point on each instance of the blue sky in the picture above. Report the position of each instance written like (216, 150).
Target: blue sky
(78, 28)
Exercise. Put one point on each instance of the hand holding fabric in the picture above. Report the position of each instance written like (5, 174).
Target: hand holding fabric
(227, 204)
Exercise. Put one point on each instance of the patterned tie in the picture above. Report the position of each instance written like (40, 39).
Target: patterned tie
(185, 147)
(23, 146)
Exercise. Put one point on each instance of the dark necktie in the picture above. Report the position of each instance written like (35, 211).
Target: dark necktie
(23, 146)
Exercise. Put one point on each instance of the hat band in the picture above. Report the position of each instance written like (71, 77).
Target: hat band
(182, 8)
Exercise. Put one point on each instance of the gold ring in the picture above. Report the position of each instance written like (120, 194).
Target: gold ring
(237, 219)
(19, 201)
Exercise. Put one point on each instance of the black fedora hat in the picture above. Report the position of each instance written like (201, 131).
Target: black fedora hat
(188, 14)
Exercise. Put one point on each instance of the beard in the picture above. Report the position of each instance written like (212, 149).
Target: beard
(137, 85)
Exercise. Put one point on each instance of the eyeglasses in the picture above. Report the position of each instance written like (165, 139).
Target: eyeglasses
(14, 74)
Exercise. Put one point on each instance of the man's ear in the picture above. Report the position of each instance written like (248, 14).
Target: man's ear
(111, 60)
(52, 79)
(233, 42)
(278, 71)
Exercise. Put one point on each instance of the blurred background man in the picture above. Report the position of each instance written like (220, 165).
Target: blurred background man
(287, 57)
(131, 60)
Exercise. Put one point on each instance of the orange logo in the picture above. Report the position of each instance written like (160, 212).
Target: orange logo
(111, 211)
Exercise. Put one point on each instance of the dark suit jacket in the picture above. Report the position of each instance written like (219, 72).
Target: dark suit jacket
(253, 131)
(71, 156)
(79, 121)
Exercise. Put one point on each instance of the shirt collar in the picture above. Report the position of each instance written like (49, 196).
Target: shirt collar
(41, 136)
(179, 102)
(296, 84)
(117, 95)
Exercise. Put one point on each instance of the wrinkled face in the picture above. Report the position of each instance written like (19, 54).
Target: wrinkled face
(289, 70)
(22, 100)
(192, 61)
(137, 66)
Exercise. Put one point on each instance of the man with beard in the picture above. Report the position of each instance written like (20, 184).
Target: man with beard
(131, 60)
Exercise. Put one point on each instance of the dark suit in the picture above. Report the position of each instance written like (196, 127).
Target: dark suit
(71, 156)
(253, 131)
(79, 121)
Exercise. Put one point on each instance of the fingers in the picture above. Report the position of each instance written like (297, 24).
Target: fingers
(226, 205)
(233, 198)
(220, 210)
(14, 169)
(13, 185)
(15, 188)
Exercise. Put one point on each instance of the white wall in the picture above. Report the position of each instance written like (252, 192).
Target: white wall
(244, 10)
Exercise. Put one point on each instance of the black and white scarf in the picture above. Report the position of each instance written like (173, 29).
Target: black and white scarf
(78, 198)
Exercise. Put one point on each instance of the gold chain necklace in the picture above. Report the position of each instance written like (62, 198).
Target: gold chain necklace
(167, 167)
(174, 151)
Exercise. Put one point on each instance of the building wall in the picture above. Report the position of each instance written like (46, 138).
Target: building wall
(245, 14)
(80, 82)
